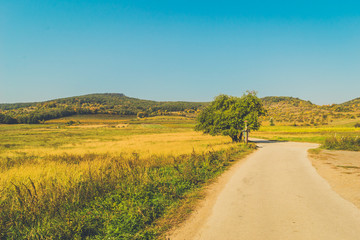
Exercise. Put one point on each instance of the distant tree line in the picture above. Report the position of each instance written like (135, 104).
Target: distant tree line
(10, 106)
(35, 116)
(7, 119)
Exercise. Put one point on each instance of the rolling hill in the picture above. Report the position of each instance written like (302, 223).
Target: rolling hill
(107, 103)
(300, 112)
(284, 110)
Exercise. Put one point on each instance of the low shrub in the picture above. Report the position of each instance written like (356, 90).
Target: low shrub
(342, 143)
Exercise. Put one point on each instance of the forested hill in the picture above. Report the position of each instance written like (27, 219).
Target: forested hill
(108, 103)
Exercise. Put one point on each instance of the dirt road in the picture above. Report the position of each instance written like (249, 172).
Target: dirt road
(274, 195)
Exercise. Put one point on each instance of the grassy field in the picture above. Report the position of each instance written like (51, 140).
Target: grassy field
(317, 134)
(103, 177)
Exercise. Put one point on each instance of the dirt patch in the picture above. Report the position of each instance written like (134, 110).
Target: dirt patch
(342, 171)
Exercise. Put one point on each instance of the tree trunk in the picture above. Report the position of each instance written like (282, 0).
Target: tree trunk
(234, 138)
(240, 136)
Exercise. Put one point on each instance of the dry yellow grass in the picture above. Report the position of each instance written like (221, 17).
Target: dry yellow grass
(144, 140)
(46, 167)
(146, 145)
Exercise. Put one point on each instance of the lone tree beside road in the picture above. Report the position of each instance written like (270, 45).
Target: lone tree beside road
(226, 115)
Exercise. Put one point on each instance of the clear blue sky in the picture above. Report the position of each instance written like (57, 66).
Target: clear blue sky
(179, 49)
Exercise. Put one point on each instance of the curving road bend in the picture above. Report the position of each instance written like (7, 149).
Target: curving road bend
(277, 195)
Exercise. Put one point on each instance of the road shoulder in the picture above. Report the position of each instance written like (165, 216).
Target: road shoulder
(341, 169)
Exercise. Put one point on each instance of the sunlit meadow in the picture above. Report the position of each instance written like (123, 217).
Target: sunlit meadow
(50, 173)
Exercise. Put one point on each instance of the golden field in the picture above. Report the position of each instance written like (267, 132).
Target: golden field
(63, 178)
(26, 150)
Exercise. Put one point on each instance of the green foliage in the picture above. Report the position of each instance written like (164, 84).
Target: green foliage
(121, 201)
(6, 119)
(342, 143)
(142, 114)
(71, 122)
(227, 115)
(357, 125)
(10, 106)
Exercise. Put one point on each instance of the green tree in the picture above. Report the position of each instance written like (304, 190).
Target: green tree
(142, 114)
(226, 115)
(7, 119)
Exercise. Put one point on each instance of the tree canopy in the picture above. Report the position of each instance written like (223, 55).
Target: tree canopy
(226, 115)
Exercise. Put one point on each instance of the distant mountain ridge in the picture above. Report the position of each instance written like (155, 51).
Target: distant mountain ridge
(279, 108)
